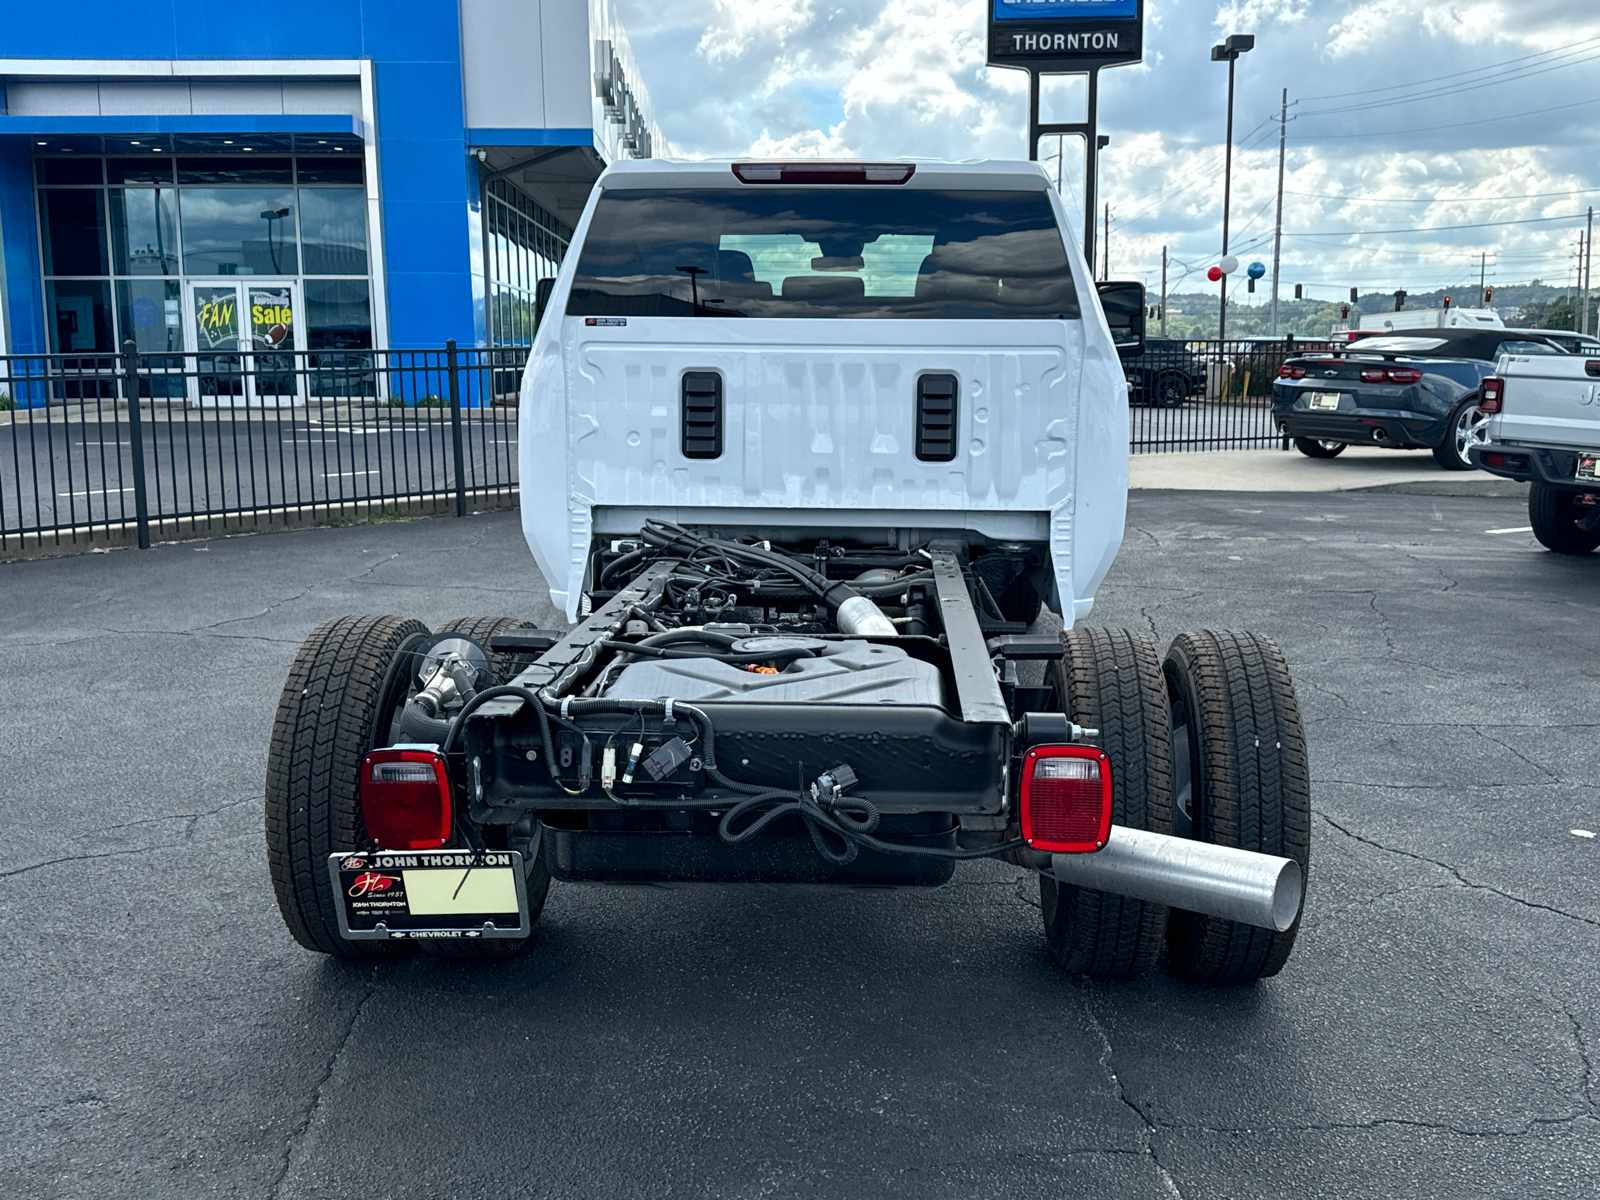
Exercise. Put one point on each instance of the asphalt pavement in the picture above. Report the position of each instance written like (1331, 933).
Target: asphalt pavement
(1436, 1033)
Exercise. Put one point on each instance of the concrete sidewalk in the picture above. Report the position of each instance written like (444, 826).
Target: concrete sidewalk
(1358, 469)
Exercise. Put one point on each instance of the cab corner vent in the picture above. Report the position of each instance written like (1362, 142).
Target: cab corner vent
(936, 418)
(702, 414)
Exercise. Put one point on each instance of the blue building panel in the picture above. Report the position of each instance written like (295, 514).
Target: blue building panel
(430, 271)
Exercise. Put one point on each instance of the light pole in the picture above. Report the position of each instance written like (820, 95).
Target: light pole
(271, 216)
(1229, 51)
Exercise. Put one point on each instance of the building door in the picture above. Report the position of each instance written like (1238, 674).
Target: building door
(242, 337)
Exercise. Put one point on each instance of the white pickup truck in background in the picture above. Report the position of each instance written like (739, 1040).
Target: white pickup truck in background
(1544, 428)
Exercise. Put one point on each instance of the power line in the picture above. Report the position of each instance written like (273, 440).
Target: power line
(1574, 54)
(1432, 228)
(1378, 133)
(1394, 87)
(1437, 199)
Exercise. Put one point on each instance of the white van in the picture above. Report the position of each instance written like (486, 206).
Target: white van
(804, 446)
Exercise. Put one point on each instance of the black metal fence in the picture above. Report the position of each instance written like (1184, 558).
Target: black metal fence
(252, 439)
(264, 438)
(1206, 395)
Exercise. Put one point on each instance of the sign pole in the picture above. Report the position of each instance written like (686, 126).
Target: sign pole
(1067, 37)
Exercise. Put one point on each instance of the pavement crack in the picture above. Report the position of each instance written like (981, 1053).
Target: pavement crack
(1455, 874)
(193, 819)
(1586, 1086)
(302, 1127)
(1169, 1186)
(1513, 751)
(72, 858)
(275, 605)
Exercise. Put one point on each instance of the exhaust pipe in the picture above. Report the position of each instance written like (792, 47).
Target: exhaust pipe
(1218, 881)
(1380, 434)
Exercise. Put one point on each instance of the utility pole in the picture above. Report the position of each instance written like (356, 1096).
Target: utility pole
(1588, 262)
(1163, 291)
(1277, 231)
(1105, 253)
(1483, 268)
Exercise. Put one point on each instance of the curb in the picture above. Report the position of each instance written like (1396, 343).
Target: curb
(1500, 489)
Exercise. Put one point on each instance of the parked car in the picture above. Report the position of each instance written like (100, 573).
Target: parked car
(814, 678)
(1544, 427)
(1166, 375)
(1572, 343)
(1401, 392)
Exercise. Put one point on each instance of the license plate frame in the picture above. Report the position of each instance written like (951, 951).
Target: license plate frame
(1323, 401)
(416, 895)
(1588, 469)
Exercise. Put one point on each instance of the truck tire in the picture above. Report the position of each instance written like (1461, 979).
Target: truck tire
(1560, 522)
(1234, 710)
(1318, 448)
(343, 688)
(1173, 390)
(506, 667)
(480, 629)
(1110, 680)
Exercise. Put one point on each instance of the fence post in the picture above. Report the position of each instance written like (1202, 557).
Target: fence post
(141, 506)
(455, 429)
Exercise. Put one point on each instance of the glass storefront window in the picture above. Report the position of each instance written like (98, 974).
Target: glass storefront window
(80, 315)
(139, 170)
(235, 170)
(74, 222)
(238, 231)
(144, 231)
(338, 314)
(333, 230)
(149, 312)
(346, 169)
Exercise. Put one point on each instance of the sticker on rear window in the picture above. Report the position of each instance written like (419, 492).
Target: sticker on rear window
(605, 320)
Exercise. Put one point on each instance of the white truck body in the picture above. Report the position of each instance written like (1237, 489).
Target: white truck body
(1550, 400)
(1429, 318)
(819, 417)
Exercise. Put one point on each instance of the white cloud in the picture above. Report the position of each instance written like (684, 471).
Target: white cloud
(740, 25)
(884, 78)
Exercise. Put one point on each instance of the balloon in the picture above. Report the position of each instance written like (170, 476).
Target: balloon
(1256, 270)
(1229, 264)
(1214, 274)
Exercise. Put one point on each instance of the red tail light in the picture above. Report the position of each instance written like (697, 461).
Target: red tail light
(1493, 393)
(1372, 375)
(405, 799)
(1066, 799)
(1291, 371)
(823, 172)
(1404, 375)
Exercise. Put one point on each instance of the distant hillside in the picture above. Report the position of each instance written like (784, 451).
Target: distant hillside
(1194, 314)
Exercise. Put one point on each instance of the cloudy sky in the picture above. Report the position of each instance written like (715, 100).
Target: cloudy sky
(1405, 115)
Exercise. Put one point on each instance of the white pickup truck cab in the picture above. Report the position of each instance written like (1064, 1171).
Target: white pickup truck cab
(1544, 427)
(804, 448)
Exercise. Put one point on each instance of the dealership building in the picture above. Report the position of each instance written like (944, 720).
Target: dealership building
(379, 174)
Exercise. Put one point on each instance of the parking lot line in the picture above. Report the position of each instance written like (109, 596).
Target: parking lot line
(1514, 529)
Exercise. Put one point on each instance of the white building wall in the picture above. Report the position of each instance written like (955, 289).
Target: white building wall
(503, 62)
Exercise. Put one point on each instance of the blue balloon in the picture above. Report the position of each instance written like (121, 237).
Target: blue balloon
(1256, 270)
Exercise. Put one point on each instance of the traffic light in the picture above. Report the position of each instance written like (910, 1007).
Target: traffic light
(1344, 312)
(1399, 300)
(1250, 285)
(1488, 294)
(1298, 293)
(1447, 301)
(1353, 296)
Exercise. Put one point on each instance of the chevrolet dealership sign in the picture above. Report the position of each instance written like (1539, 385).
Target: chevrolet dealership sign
(1065, 35)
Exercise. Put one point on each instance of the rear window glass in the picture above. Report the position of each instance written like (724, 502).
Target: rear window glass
(814, 252)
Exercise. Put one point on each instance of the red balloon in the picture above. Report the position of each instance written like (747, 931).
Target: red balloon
(1214, 274)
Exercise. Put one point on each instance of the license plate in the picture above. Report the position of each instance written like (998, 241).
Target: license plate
(1588, 468)
(424, 894)
(1323, 400)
